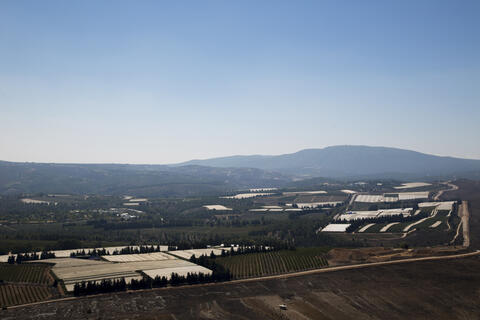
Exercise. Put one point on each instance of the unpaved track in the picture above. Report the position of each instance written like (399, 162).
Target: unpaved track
(439, 194)
(280, 276)
(465, 215)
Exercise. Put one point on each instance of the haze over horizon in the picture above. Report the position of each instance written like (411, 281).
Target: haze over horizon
(160, 83)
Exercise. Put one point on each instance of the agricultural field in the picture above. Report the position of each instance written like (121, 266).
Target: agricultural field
(25, 273)
(25, 283)
(248, 195)
(153, 256)
(128, 266)
(392, 197)
(187, 254)
(66, 253)
(335, 227)
(14, 294)
(274, 262)
(289, 193)
(216, 207)
(411, 185)
(181, 271)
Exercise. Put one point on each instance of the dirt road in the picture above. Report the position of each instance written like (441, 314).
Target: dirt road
(439, 194)
(465, 216)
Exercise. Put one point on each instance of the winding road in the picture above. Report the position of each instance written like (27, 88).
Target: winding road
(439, 194)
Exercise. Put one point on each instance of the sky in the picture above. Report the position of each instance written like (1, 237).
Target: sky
(169, 81)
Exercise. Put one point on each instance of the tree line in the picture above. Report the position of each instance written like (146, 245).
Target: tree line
(115, 285)
(19, 258)
(126, 250)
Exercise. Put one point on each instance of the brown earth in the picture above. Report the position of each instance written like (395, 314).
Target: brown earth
(345, 256)
(449, 289)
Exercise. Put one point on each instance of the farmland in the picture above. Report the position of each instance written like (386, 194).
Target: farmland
(72, 270)
(382, 292)
(13, 294)
(27, 273)
(276, 262)
(25, 283)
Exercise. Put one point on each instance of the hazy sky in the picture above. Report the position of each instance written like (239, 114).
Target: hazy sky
(167, 81)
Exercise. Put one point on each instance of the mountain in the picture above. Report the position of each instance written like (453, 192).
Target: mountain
(353, 161)
(220, 175)
(138, 180)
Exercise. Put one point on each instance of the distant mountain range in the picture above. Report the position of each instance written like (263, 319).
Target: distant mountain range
(213, 176)
(352, 161)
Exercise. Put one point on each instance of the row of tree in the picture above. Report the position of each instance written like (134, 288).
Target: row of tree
(108, 285)
(21, 257)
(126, 250)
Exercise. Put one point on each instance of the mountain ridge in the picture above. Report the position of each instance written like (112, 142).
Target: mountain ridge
(225, 174)
(336, 161)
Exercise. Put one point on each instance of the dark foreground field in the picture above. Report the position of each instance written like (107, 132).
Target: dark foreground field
(447, 289)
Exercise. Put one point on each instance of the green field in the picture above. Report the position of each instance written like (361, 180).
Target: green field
(275, 262)
(28, 273)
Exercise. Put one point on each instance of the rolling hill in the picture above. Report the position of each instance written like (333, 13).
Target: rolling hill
(144, 180)
(219, 175)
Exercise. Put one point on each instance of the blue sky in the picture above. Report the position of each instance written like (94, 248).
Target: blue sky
(163, 82)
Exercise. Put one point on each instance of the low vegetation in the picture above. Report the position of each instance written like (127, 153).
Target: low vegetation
(25, 273)
(273, 262)
(25, 283)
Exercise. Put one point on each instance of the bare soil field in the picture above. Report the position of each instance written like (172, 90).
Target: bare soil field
(344, 256)
(419, 290)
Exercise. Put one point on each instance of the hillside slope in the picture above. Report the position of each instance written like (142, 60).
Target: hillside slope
(145, 180)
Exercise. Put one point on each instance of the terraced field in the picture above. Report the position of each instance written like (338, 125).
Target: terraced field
(275, 262)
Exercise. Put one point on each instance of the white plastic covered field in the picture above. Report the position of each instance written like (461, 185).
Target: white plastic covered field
(181, 271)
(392, 197)
(289, 193)
(354, 215)
(445, 205)
(72, 270)
(388, 226)
(153, 256)
(218, 207)
(187, 254)
(336, 227)
(436, 224)
(262, 189)
(411, 185)
(66, 253)
(363, 229)
(248, 195)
